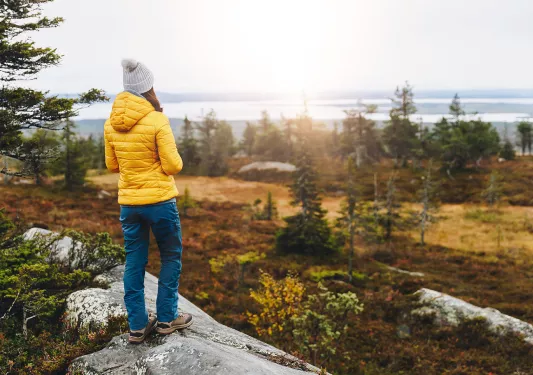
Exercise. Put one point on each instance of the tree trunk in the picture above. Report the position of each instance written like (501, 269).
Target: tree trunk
(350, 258)
(24, 323)
(68, 166)
(6, 166)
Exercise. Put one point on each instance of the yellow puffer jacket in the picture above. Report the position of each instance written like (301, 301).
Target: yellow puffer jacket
(139, 145)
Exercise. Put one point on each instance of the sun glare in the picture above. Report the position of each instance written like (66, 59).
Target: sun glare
(287, 42)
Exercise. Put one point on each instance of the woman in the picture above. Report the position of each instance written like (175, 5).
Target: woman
(139, 145)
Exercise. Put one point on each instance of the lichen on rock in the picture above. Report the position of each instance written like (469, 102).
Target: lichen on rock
(207, 347)
(444, 309)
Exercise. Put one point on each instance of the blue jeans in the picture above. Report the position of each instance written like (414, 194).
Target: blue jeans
(165, 223)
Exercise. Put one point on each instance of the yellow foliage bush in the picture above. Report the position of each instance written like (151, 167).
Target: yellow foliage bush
(279, 301)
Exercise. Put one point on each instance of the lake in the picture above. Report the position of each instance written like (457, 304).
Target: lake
(430, 110)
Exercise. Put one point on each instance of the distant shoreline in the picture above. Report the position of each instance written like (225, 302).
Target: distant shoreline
(175, 97)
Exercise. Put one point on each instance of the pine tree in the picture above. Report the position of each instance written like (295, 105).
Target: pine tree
(75, 164)
(271, 143)
(456, 109)
(335, 141)
(350, 213)
(288, 133)
(428, 203)
(249, 139)
(525, 133)
(188, 147)
(20, 59)
(223, 148)
(206, 131)
(508, 151)
(400, 135)
(41, 148)
(308, 231)
(359, 136)
(270, 210)
(403, 102)
(461, 142)
(185, 202)
(493, 192)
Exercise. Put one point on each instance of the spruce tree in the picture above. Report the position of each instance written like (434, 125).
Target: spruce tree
(20, 59)
(249, 138)
(223, 148)
(188, 147)
(271, 143)
(492, 194)
(428, 200)
(508, 151)
(335, 141)
(348, 217)
(72, 162)
(270, 210)
(288, 133)
(359, 136)
(42, 147)
(185, 202)
(400, 135)
(206, 131)
(525, 134)
(307, 232)
(456, 109)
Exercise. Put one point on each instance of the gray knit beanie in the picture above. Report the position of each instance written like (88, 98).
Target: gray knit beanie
(136, 76)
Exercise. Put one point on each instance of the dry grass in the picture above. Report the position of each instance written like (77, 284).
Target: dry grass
(476, 228)
(454, 230)
(225, 189)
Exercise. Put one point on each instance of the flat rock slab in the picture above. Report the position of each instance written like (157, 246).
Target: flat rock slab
(207, 347)
(448, 310)
(266, 165)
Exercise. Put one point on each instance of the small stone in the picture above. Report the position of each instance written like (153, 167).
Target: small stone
(403, 331)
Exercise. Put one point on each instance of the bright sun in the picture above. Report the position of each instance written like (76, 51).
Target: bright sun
(287, 39)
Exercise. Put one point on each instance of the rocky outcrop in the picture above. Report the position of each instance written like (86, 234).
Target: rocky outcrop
(268, 165)
(447, 310)
(61, 248)
(70, 253)
(207, 347)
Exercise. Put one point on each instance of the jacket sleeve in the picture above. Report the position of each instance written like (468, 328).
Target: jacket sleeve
(168, 152)
(111, 161)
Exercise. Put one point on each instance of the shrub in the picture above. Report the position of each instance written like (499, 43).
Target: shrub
(318, 324)
(279, 301)
(33, 290)
(322, 326)
(483, 216)
(185, 202)
(320, 275)
(94, 252)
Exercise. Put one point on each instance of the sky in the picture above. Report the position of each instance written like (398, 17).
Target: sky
(291, 45)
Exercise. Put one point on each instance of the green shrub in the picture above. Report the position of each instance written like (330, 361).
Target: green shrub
(33, 291)
(320, 275)
(322, 325)
(483, 216)
(95, 252)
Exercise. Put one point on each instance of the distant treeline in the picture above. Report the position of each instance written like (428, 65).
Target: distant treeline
(207, 145)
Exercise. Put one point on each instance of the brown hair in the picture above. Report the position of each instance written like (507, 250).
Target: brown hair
(152, 98)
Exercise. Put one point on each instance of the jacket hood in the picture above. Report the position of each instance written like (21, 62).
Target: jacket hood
(128, 110)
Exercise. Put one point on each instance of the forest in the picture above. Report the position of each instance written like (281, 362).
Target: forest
(322, 263)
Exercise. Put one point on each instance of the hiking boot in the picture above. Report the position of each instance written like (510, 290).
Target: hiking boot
(138, 336)
(182, 321)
